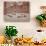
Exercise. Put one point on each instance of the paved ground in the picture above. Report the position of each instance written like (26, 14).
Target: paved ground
(19, 17)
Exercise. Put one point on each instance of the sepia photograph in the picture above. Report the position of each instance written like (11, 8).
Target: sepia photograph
(16, 11)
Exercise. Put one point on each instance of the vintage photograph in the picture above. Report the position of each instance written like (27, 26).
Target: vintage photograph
(16, 11)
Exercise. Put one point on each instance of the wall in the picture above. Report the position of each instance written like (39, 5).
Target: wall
(25, 28)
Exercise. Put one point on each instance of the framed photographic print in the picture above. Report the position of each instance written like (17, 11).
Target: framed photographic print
(16, 11)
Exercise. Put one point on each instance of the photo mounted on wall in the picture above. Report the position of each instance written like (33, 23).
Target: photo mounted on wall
(16, 11)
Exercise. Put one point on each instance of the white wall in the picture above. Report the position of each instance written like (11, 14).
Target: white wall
(25, 28)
